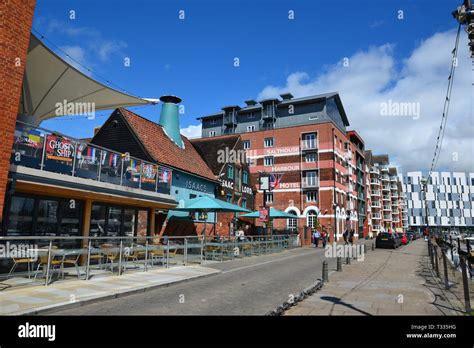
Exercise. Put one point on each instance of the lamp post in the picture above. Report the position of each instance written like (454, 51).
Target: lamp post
(424, 183)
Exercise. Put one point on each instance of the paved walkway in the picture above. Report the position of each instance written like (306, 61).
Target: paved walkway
(386, 282)
(41, 299)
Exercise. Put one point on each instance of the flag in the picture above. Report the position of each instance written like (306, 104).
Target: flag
(165, 175)
(275, 179)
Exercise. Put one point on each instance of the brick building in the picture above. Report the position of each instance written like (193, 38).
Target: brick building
(16, 17)
(226, 157)
(386, 200)
(302, 143)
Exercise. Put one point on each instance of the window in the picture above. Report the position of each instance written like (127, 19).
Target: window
(47, 220)
(251, 128)
(244, 202)
(20, 219)
(268, 161)
(311, 219)
(251, 115)
(245, 177)
(129, 222)
(238, 180)
(268, 142)
(212, 121)
(229, 198)
(114, 221)
(246, 144)
(212, 133)
(230, 171)
(311, 196)
(269, 197)
(292, 224)
(310, 157)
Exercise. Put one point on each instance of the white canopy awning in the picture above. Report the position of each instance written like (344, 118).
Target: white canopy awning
(50, 80)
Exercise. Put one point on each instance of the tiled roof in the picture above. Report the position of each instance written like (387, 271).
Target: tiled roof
(164, 150)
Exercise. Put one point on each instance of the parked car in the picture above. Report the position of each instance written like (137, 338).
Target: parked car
(403, 238)
(387, 240)
(411, 235)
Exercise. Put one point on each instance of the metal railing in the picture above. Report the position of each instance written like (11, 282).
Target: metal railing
(45, 150)
(309, 144)
(28, 258)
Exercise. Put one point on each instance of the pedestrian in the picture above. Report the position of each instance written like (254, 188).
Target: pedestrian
(324, 238)
(351, 237)
(345, 236)
(316, 236)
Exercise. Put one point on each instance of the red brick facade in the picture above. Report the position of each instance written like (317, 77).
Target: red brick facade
(15, 26)
(335, 171)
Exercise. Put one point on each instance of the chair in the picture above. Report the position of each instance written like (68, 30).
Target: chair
(161, 254)
(110, 255)
(54, 263)
(71, 259)
(18, 261)
(133, 256)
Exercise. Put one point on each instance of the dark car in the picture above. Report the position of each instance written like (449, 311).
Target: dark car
(387, 240)
(412, 235)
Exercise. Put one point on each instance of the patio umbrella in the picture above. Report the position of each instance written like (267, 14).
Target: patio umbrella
(207, 204)
(273, 214)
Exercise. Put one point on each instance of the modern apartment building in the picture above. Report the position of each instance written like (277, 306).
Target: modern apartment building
(302, 143)
(387, 204)
(449, 199)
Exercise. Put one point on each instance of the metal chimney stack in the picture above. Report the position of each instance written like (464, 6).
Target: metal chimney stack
(169, 118)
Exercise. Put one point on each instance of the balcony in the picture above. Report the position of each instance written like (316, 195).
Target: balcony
(374, 181)
(347, 155)
(396, 220)
(376, 205)
(385, 178)
(376, 216)
(386, 198)
(384, 169)
(349, 188)
(395, 195)
(309, 145)
(387, 217)
(230, 120)
(394, 187)
(349, 171)
(387, 208)
(42, 155)
(376, 228)
(374, 170)
(375, 193)
(393, 179)
(385, 188)
(310, 182)
(350, 206)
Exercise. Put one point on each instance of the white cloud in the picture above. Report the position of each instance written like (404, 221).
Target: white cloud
(374, 76)
(75, 52)
(192, 131)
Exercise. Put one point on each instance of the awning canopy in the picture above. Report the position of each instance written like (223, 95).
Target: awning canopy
(273, 214)
(50, 80)
(209, 204)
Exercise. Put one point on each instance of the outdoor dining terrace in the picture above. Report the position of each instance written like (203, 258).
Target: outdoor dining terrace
(47, 151)
(41, 260)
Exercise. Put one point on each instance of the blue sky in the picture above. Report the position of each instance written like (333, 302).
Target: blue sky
(193, 58)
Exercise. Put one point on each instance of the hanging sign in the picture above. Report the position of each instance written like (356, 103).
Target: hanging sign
(59, 148)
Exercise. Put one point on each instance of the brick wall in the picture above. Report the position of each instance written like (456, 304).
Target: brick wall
(15, 25)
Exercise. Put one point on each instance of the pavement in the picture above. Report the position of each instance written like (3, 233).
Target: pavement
(74, 293)
(386, 282)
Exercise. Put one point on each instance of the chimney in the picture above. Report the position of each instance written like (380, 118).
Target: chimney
(286, 96)
(169, 118)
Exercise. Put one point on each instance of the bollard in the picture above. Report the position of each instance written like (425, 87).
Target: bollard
(339, 264)
(445, 265)
(435, 250)
(325, 272)
(467, 300)
(348, 260)
(373, 246)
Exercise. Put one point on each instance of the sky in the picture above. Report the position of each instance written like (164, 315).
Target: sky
(374, 53)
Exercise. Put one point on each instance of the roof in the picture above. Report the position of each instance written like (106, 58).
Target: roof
(381, 159)
(208, 149)
(51, 79)
(285, 102)
(163, 150)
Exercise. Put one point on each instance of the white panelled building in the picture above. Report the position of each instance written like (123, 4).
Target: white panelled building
(449, 199)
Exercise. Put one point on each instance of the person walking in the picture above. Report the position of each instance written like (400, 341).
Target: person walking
(351, 237)
(316, 237)
(324, 238)
(345, 236)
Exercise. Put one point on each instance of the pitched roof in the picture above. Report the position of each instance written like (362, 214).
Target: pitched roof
(163, 149)
(209, 147)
